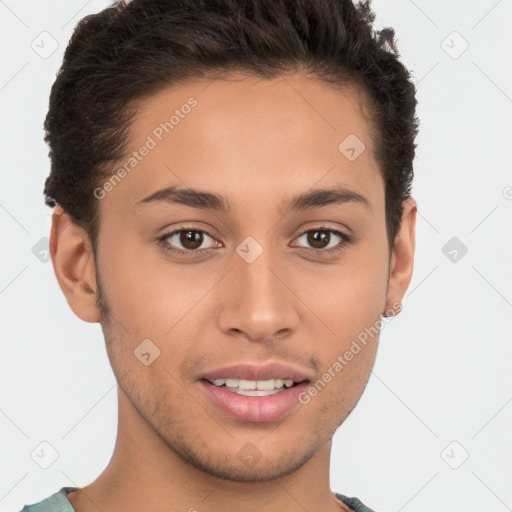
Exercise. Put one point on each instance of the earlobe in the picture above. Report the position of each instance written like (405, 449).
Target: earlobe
(74, 266)
(402, 258)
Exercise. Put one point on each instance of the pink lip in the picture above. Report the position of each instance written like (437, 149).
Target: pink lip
(254, 408)
(253, 372)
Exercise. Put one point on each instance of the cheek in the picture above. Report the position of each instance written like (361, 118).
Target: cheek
(145, 294)
(347, 296)
(345, 367)
(348, 301)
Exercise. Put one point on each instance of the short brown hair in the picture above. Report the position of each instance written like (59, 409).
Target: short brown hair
(131, 50)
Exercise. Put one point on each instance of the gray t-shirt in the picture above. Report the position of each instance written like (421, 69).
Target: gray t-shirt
(58, 502)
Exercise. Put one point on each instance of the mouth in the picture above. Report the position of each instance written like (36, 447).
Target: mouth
(254, 405)
(255, 393)
(255, 387)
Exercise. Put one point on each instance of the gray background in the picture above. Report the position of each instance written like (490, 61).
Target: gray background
(441, 388)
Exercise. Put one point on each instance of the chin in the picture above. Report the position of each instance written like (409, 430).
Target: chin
(243, 473)
(247, 464)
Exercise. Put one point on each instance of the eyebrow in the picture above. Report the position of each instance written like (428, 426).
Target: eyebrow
(312, 199)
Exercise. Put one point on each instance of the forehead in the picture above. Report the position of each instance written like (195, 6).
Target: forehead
(249, 136)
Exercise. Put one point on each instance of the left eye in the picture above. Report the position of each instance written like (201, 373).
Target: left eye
(318, 237)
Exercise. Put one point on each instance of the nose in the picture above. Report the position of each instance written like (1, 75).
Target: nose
(258, 303)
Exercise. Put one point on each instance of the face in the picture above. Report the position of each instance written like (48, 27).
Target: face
(245, 274)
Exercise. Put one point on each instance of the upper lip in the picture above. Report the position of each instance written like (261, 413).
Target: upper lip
(257, 372)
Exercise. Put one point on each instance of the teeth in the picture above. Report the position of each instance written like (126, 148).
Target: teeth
(249, 385)
(255, 392)
(254, 385)
(263, 385)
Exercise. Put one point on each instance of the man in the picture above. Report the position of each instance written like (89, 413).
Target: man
(231, 190)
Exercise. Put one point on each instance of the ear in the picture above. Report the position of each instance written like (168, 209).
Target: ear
(402, 258)
(74, 266)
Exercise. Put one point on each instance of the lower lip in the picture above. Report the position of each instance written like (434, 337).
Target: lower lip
(254, 408)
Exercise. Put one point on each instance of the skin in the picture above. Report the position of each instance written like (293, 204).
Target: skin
(257, 143)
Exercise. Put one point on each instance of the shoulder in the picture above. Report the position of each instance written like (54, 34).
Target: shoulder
(57, 502)
(354, 503)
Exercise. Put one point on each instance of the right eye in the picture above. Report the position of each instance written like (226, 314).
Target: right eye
(190, 238)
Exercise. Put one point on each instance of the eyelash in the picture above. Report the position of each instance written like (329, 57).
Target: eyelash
(346, 239)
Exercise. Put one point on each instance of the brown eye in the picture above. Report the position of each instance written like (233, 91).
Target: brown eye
(191, 239)
(186, 241)
(320, 240)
